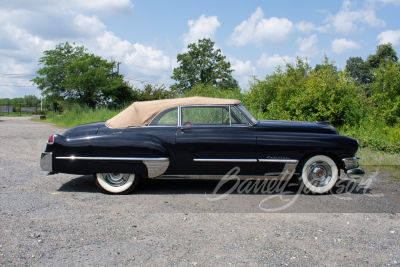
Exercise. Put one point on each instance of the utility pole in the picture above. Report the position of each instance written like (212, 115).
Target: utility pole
(118, 67)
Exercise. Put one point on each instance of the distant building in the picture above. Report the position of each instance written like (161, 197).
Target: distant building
(6, 109)
(28, 109)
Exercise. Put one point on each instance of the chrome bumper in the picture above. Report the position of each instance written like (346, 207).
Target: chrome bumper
(352, 169)
(46, 161)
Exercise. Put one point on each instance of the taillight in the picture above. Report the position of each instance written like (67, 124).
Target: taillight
(51, 140)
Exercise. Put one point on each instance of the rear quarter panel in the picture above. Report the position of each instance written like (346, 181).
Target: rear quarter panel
(129, 144)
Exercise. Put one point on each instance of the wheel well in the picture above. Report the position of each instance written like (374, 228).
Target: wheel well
(120, 167)
(306, 157)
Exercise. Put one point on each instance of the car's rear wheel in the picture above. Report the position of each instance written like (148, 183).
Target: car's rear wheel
(116, 183)
(319, 174)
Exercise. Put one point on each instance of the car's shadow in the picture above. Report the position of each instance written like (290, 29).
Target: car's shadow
(181, 186)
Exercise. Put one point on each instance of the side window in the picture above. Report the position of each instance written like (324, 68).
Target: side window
(237, 119)
(168, 117)
(205, 116)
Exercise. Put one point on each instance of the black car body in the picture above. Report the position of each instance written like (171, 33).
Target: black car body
(203, 141)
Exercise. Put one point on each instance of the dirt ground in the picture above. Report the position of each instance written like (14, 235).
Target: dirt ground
(63, 220)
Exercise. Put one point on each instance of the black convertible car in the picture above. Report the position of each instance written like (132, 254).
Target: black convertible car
(200, 138)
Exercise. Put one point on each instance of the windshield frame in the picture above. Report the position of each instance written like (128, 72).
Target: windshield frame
(245, 113)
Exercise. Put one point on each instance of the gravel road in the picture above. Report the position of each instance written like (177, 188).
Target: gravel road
(62, 220)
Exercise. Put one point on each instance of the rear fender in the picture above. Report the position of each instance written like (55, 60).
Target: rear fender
(116, 152)
(117, 167)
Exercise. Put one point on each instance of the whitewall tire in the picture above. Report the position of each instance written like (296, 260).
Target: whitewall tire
(319, 174)
(116, 183)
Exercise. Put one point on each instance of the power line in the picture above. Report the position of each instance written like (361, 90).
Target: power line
(12, 85)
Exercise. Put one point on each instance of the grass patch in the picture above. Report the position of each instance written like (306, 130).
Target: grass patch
(373, 157)
(375, 135)
(78, 115)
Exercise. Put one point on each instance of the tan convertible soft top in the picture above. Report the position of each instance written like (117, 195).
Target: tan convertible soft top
(141, 113)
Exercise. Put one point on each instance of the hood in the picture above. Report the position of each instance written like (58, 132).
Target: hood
(295, 126)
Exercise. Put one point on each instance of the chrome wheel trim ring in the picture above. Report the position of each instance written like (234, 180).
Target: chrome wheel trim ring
(319, 173)
(116, 179)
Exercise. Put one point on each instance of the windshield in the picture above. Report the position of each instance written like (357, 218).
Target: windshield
(243, 111)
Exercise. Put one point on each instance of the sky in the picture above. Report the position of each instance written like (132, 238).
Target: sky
(146, 36)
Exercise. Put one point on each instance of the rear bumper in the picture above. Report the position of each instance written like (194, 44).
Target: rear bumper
(46, 161)
(352, 169)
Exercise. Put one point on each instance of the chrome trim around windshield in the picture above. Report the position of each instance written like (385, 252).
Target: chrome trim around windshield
(241, 114)
(179, 116)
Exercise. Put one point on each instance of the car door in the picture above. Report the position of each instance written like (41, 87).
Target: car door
(212, 140)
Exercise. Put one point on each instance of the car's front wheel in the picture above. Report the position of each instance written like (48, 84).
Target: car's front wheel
(116, 183)
(319, 174)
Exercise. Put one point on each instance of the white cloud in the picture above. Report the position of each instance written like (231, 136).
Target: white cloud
(272, 62)
(89, 26)
(62, 6)
(147, 60)
(307, 46)
(258, 30)
(137, 60)
(340, 46)
(204, 27)
(390, 36)
(19, 51)
(347, 20)
(107, 6)
(27, 31)
(243, 70)
(307, 27)
(395, 2)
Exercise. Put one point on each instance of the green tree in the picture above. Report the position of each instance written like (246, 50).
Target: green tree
(31, 100)
(152, 92)
(202, 64)
(52, 77)
(386, 92)
(302, 93)
(91, 81)
(70, 75)
(359, 70)
(384, 53)
(362, 71)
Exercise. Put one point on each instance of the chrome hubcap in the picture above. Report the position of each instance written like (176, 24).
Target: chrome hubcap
(319, 173)
(116, 179)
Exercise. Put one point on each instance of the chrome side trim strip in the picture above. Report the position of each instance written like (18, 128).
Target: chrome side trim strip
(114, 158)
(282, 176)
(287, 173)
(155, 166)
(225, 160)
(279, 160)
(211, 177)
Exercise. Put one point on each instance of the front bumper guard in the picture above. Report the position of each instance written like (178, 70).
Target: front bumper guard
(352, 169)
